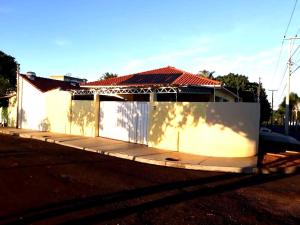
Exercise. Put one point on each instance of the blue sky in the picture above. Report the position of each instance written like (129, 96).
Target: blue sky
(88, 38)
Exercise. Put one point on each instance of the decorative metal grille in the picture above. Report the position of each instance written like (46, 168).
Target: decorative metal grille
(117, 90)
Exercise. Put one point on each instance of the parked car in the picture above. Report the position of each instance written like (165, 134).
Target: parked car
(275, 142)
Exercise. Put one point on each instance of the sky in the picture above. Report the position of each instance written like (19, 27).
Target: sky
(89, 38)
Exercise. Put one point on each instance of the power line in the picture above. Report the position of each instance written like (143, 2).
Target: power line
(279, 57)
(298, 55)
(283, 76)
(291, 17)
(297, 32)
(292, 46)
(291, 43)
(280, 52)
(296, 61)
(284, 73)
(287, 99)
(295, 70)
(295, 51)
(286, 67)
(281, 95)
(297, 58)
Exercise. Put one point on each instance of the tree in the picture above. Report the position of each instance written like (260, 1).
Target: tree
(248, 92)
(265, 106)
(4, 85)
(206, 73)
(8, 73)
(235, 81)
(293, 107)
(108, 75)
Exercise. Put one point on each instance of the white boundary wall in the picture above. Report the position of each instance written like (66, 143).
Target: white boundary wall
(32, 107)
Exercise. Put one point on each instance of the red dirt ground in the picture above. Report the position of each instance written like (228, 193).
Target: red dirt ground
(44, 183)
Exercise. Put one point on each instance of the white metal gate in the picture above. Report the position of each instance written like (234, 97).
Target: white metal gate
(126, 121)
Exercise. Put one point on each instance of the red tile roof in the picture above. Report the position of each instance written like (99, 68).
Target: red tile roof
(46, 84)
(166, 76)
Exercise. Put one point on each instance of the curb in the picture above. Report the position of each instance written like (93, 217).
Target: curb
(140, 159)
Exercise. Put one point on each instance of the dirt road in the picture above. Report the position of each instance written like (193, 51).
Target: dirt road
(44, 183)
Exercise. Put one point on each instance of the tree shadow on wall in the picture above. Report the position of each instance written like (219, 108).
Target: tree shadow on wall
(133, 117)
(125, 120)
(81, 115)
(222, 116)
(23, 117)
(45, 125)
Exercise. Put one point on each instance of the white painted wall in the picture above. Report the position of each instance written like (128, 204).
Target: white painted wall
(32, 108)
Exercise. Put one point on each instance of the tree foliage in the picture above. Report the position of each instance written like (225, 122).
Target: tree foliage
(247, 92)
(293, 106)
(206, 73)
(4, 85)
(235, 81)
(108, 75)
(8, 73)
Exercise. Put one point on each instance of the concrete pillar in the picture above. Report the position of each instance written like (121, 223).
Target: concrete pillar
(20, 112)
(70, 114)
(18, 97)
(153, 97)
(152, 106)
(97, 113)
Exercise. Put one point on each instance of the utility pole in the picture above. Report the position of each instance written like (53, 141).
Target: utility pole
(258, 90)
(272, 90)
(18, 96)
(287, 98)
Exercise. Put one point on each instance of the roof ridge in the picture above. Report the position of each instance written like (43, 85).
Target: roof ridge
(51, 84)
(45, 78)
(147, 71)
(101, 81)
(205, 78)
(183, 71)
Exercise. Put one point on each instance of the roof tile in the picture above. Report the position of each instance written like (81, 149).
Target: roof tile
(46, 84)
(166, 76)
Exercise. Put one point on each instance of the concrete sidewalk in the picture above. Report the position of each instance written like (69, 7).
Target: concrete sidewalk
(141, 153)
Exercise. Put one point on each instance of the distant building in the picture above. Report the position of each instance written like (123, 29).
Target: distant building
(68, 78)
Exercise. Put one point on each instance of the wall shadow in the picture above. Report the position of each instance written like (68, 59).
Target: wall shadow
(279, 163)
(287, 160)
(169, 112)
(194, 188)
(45, 125)
(23, 117)
(81, 117)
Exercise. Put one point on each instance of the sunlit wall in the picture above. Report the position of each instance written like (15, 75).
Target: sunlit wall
(211, 129)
